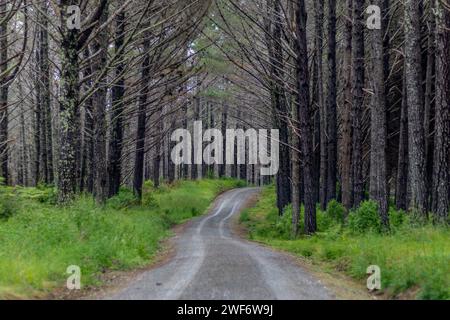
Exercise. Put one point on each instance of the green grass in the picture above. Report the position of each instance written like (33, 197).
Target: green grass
(39, 240)
(415, 258)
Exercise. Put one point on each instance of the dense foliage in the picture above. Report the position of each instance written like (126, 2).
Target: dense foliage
(413, 258)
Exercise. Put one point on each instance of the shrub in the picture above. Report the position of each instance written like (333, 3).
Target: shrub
(336, 211)
(210, 174)
(283, 226)
(148, 195)
(241, 184)
(324, 221)
(397, 218)
(41, 194)
(8, 206)
(365, 218)
(124, 200)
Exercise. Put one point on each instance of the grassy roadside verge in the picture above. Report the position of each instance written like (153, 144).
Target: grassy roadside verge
(39, 240)
(414, 260)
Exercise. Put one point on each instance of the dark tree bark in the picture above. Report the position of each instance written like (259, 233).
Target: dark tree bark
(441, 176)
(138, 180)
(205, 124)
(158, 149)
(279, 106)
(23, 172)
(184, 168)
(212, 124)
(68, 110)
(37, 120)
(195, 167)
(358, 99)
(429, 86)
(4, 89)
(171, 166)
(305, 117)
(428, 74)
(234, 166)
(331, 104)
(43, 113)
(296, 175)
(401, 190)
(46, 97)
(390, 98)
(118, 93)
(72, 41)
(223, 167)
(100, 46)
(319, 17)
(346, 158)
(242, 167)
(87, 169)
(378, 161)
(417, 163)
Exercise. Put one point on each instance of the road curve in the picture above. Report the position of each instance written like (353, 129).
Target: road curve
(211, 263)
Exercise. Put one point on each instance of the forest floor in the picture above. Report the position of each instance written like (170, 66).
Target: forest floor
(414, 259)
(39, 240)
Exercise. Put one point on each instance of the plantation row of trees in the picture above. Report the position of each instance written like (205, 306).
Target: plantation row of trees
(90, 108)
(360, 93)
(363, 112)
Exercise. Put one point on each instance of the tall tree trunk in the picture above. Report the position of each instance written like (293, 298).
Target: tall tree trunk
(441, 176)
(195, 167)
(279, 106)
(296, 175)
(417, 163)
(331, 104)
(378, 161)
(37, 117)
(23, 177)
(346, 158)
(212, 124)
(87, 169)
(141, 125)
(305, 117)
(401, 190)
(316, 129)
(118, 93)
(46, 96)
(185, 167)
(69, 115)
(429, 95)
(68, 110)
(172, 168)
(158, 148)
(319, 17)
(358, 99)
(223, 167)
(100, 46)
(4, 88)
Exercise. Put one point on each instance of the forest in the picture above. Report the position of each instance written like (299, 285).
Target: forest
(359, 91)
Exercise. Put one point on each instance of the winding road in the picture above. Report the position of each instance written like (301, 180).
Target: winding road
(211, 262)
